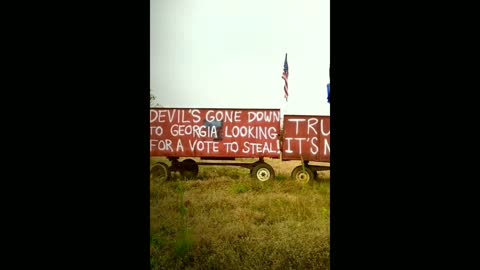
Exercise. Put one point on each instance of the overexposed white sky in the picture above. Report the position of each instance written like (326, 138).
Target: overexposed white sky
(230, 54)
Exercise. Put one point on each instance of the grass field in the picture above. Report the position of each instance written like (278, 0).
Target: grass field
(226, 220)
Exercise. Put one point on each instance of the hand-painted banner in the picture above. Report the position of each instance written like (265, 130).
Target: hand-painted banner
(238, 133)
(306, 137)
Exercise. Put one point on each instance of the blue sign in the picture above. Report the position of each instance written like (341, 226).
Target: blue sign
(328, 91)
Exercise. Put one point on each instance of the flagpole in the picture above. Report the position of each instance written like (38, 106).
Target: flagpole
(283, 110)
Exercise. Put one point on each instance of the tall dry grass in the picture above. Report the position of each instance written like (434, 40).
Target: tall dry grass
(226, 220)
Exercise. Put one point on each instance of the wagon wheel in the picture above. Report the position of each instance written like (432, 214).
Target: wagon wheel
(159, 172)
(263, 172)
(302, 174)
(188, 169)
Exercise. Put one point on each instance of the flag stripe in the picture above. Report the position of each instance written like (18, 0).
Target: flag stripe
(285, 88)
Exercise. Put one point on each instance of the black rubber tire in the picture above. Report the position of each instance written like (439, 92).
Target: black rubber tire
(159, 172)
(263, 172)
(188, 169)
(302, 174)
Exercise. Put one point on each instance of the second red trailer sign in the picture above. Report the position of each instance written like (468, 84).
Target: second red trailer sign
(306, 137)
(237, 133)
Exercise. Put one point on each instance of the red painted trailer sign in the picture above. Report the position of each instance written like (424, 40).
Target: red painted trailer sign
(218, 133)
(306, 137)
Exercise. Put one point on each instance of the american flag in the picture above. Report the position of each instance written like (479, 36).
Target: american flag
(285, 77)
